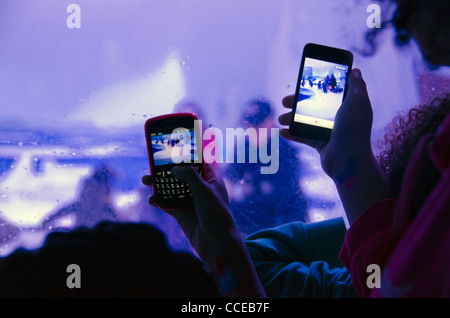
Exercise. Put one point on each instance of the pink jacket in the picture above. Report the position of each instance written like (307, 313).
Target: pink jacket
(414, 256)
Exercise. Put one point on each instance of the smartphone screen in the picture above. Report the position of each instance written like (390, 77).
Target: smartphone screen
(321, 92)
(173, 140)
(176, 147)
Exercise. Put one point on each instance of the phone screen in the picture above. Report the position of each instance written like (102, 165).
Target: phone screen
(176, 147)
(321, 93)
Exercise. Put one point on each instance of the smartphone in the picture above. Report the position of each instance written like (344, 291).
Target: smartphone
(321, 89)
(173, 139)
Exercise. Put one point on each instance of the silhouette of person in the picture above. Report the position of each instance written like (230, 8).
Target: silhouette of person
(114, 260)
(265, 200)
(93, 204)
(333, 83)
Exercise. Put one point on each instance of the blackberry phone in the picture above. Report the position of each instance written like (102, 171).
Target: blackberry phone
(173, 139)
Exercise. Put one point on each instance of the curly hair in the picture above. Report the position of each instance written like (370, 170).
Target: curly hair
(402, 136)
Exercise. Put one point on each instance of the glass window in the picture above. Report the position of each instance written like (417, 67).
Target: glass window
(79, 79)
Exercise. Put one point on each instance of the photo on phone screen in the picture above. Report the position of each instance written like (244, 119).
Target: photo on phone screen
(179, 146)
(321, 93)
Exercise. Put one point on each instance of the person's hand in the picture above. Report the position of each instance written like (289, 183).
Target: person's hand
(210, 219)
(352, 126)
(348, 158)
(212, 231)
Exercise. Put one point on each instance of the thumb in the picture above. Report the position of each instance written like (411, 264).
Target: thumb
(356, 83)
(210, 209)
(190, 176)
(354, 117)
(357, 100)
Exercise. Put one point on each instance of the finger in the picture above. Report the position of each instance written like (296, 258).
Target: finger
(190, 176)
(285, 133)
(285, 119)
(152, 201)
(357, 100)
(147, 180)
(356, 83)
(206, 201)
(211, 173)
(288, 101)
(214, 178)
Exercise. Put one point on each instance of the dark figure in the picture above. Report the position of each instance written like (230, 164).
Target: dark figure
(333, 83)
(421, 21)
(93, 204)
(265, 200)
(115, 260)
(325, 84)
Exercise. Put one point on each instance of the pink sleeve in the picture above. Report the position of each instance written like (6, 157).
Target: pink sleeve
(413, 255)
(420, 264)
(368, 241)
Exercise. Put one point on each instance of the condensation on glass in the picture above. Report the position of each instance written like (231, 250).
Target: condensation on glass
(75, 95)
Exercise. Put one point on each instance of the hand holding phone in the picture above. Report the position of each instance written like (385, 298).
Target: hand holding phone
(212, 232)
(352, 128)
(172, 140)
(348, 158)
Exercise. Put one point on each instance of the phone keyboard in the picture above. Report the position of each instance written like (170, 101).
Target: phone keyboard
(169, 187)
